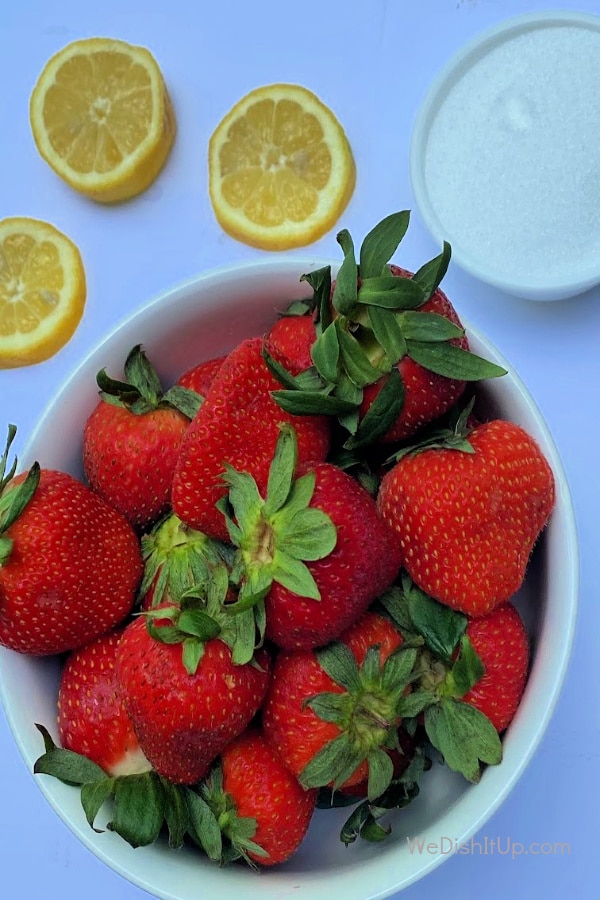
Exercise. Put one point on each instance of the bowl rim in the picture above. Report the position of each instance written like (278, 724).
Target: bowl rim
(475, 806)
(477, 47)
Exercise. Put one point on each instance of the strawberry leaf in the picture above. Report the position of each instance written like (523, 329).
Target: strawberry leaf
(336, 762)
(381, 771)
(184, 400)
(308, 535)
(5, 476)
(294, 575)
(355, 360)
(68, 766)
(387, 331)
(175, 812)
(94, 795)
(346, 286)
(312, 403)
(430, 275)
(464, 737)
(413, 704)
(197, 623)
(320, 282)
(382, 413)
(381, 243)
(392, 292)
(138, 808)
(278, 371)
(13, 501)
(467, 670)
(203, 825)
(329, 707)
(452, 362)
(362, 823)
(339, 663)
(428, 326)
(282, 470)
(398, 667)
(325, 353)
(440, 626)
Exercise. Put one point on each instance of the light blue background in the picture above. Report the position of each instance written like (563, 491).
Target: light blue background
(371, 61)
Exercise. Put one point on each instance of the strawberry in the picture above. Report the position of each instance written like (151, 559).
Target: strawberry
(331, 714)
(501, 642)
(391, 354)
(263, 812)
(70, 564)
(131, 440)
(237, 425)
(92, 720)
(427, 395)
(469, 675)
(314, 549)
(200, 377)
(176, 559)
(293, 336)
(187, 706)
(468, 516)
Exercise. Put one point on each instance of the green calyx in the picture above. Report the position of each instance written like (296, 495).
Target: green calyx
(364, 821)
(142, 805)
(201, 615)
(13, 498)
(373, 320)
(446, 668)
(142, 391)
(453, 435)
(177, 557)
(276, 535)
(366, 712)
(237, 832)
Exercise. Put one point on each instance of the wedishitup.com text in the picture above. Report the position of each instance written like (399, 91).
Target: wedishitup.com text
(486, 846)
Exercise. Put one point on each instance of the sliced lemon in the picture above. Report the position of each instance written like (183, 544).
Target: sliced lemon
(102, 118)
(281, 170)
(42, 291)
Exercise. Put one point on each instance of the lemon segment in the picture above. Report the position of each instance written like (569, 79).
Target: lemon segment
(42, 291)
(281, 169)
(102, 118)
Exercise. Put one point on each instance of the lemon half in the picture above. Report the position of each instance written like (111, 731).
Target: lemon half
(42, 291)
(102, 118)
(281, 169)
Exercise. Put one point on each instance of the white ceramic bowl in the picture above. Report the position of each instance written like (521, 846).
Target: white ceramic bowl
(197, 320)
(503, 158)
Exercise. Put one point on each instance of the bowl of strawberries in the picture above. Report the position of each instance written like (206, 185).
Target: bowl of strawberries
(288, 581)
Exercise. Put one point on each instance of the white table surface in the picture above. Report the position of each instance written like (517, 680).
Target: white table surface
(371, 61)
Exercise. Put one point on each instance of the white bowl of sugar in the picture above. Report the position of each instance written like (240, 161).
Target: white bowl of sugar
(504, 157)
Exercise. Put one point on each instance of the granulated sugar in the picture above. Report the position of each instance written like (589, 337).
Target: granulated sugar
(512, 159)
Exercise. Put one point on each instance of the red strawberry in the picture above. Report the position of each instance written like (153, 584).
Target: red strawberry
(199, 378)
(501, 642)
(92, 720)
(331, 715)
(472, 673)
(253, 785)
(185, 714)
(391, 354)
(70, 565)
(467, 521)
(176, 558)
(314, 548)
(427, 395)
(237, 425)
(293, 337)
(132, 438)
